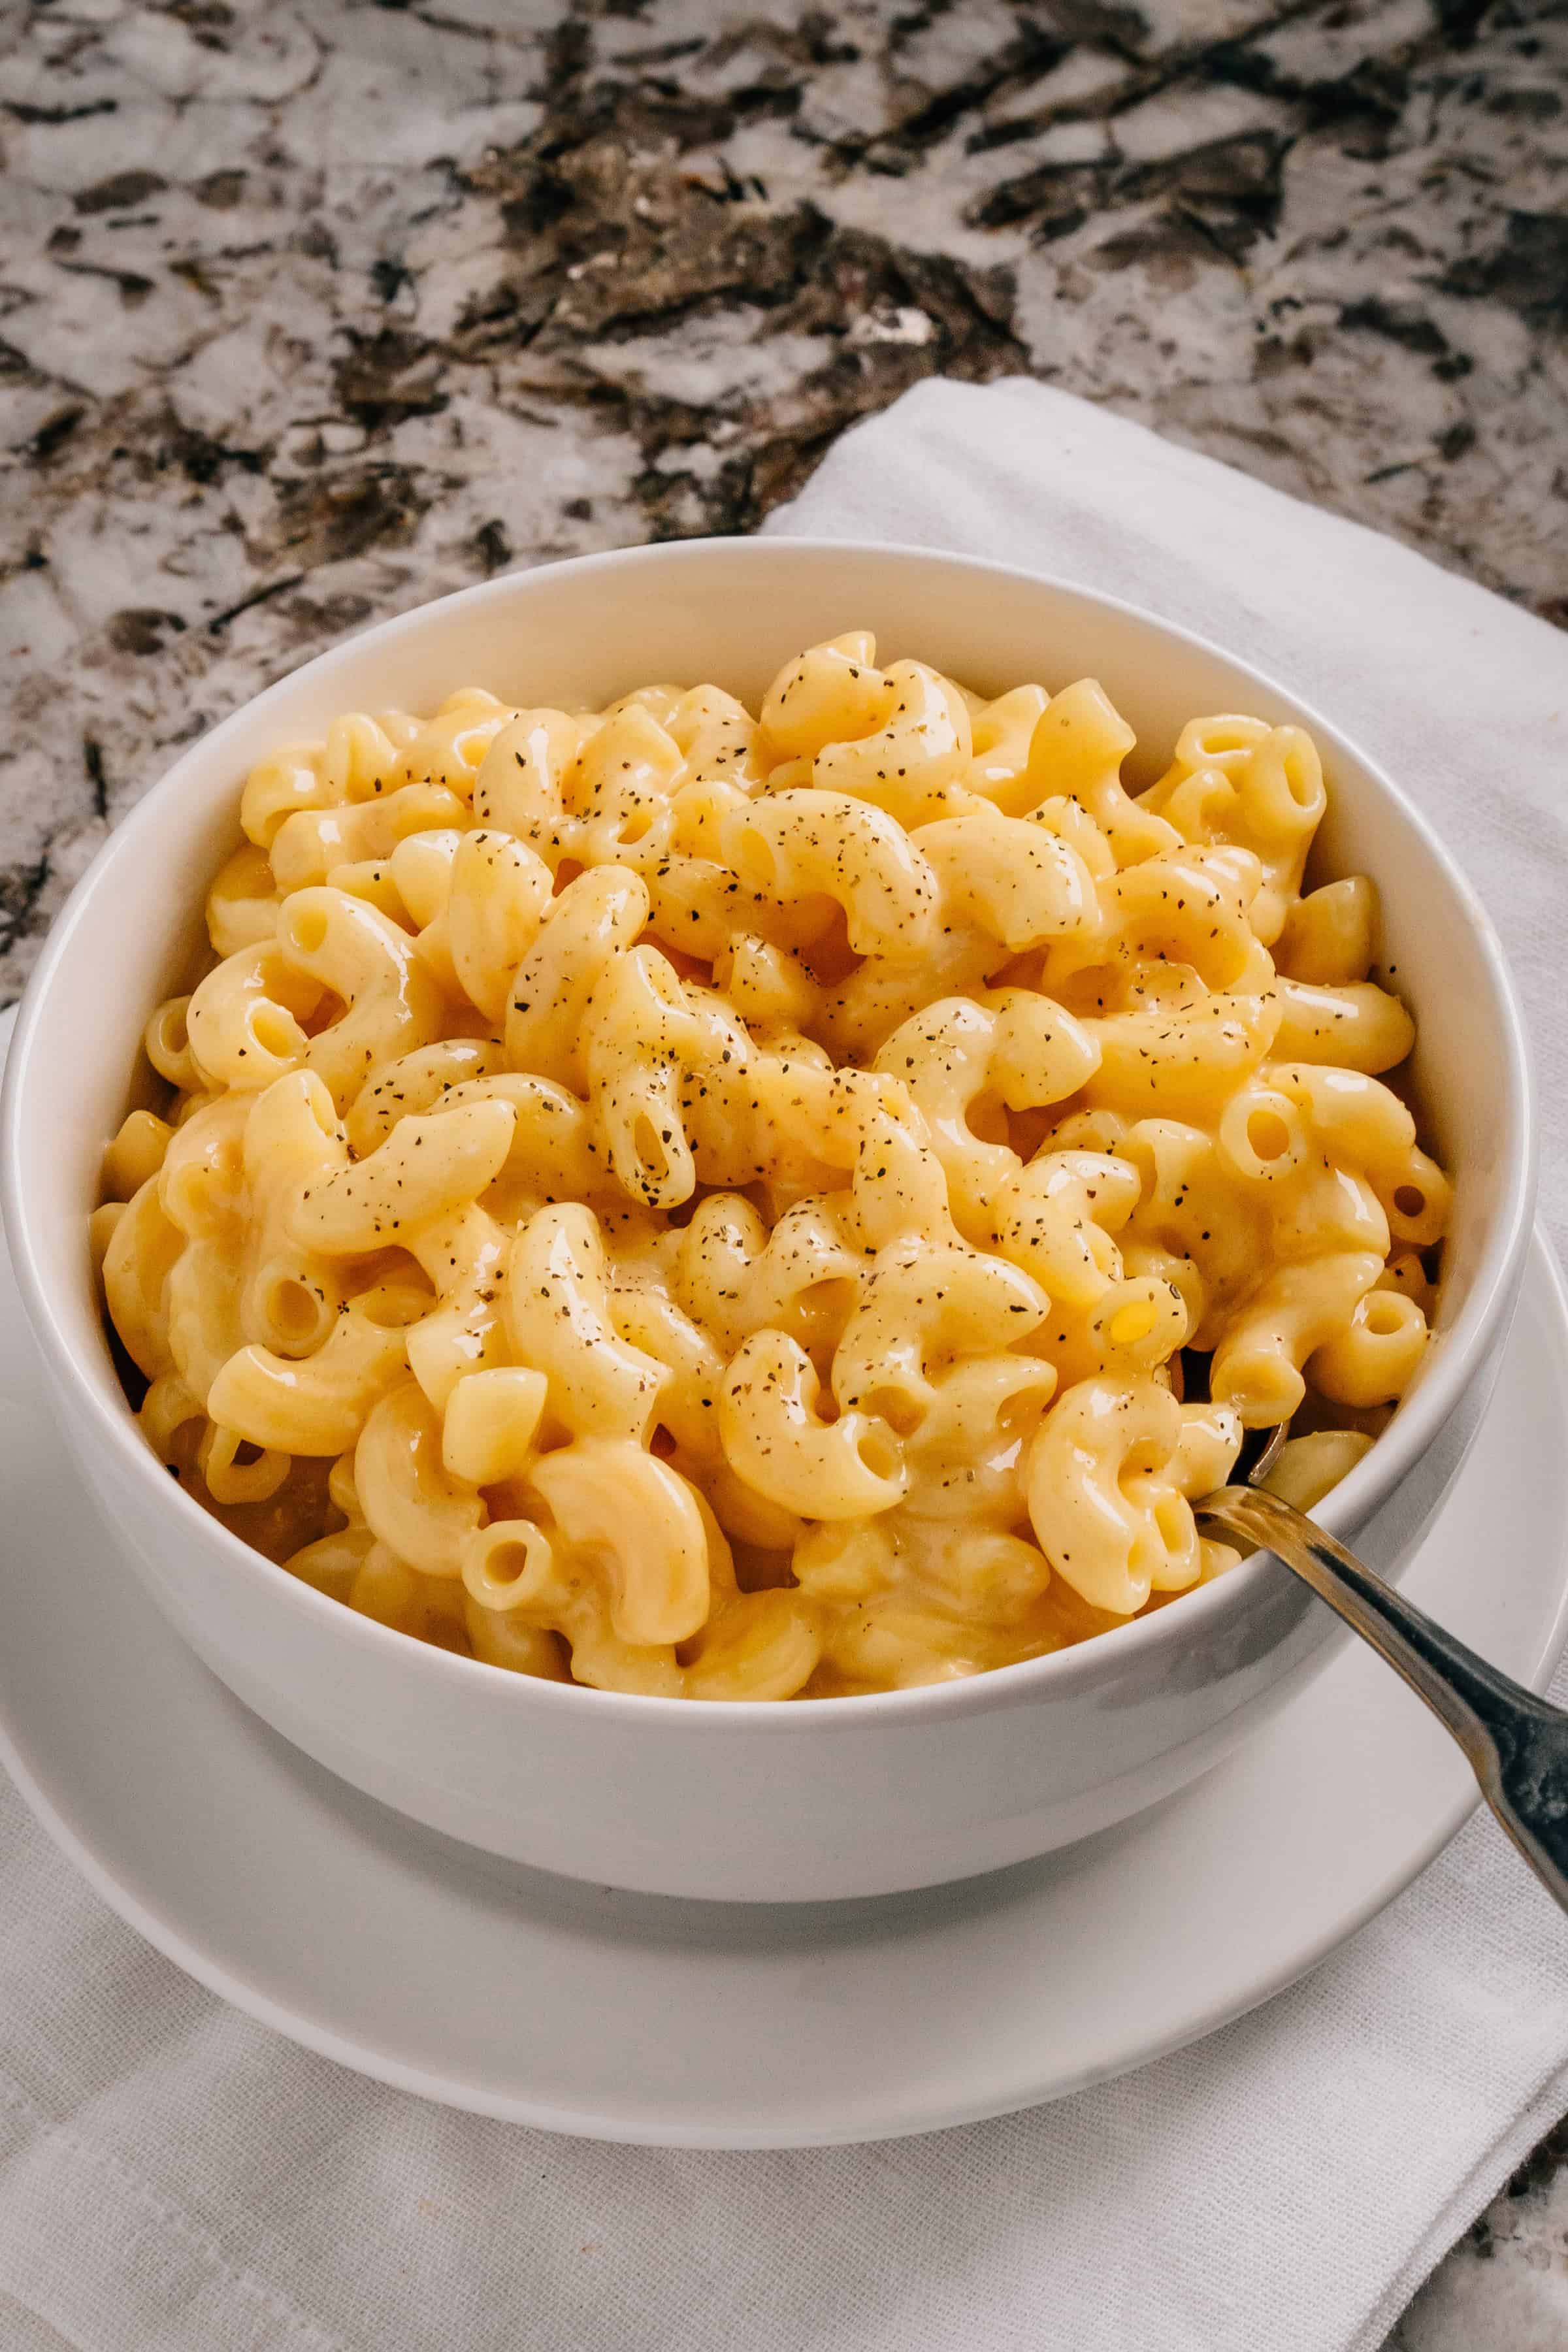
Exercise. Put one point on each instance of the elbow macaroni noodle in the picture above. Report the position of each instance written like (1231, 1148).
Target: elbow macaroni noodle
(747, 1207)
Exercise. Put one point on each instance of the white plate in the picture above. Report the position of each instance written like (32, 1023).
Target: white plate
(627, 2017)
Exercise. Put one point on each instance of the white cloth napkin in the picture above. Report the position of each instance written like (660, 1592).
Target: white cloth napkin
(175, 2178)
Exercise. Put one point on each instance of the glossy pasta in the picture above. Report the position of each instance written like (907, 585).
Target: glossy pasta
(735, 1206)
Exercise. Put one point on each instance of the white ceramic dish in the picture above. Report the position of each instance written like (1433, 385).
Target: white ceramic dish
(722, 2025)
(826, 1798)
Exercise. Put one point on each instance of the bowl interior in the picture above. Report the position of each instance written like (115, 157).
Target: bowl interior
(582, 632)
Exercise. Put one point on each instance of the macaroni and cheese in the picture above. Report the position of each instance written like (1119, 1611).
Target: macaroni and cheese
(755, 1206)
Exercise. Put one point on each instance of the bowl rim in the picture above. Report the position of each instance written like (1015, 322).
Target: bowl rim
(1469, 1342)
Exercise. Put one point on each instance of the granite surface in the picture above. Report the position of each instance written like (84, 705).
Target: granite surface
(313, 313)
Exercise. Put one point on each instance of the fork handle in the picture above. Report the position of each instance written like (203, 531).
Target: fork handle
(1517, 1744)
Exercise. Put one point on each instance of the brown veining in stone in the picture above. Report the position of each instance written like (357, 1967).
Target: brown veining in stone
(313, 313)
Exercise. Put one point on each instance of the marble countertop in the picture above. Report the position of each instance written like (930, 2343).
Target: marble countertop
(313, 313)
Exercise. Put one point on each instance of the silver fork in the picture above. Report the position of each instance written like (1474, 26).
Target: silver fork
(1517, 1744)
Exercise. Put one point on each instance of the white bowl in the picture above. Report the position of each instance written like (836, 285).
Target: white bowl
(810, 1798)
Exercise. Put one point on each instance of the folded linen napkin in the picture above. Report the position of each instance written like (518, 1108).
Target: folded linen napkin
(176, 2178)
